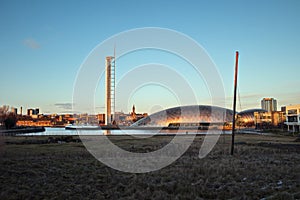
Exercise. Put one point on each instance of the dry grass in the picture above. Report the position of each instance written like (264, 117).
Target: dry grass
(262, 167)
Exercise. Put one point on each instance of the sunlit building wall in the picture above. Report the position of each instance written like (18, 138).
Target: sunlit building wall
(14, 110)
(293, 117)
(269, 104)
(31, 111)
(268, 119)
(194, 114)
(246, 117)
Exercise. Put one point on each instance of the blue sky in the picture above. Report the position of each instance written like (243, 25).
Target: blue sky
(44, 43)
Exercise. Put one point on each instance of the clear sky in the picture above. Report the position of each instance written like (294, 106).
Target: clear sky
(44, 43)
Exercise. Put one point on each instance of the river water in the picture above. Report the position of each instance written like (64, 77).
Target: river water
(63, 131)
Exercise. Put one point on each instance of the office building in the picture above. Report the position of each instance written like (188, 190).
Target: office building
(269, 104)
(292, 114)
(265, 120)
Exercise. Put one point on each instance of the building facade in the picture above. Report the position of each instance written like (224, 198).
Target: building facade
(188, 116)
(32, 111)
(292, 114)
(246, 118)
(269, 104)
(273, 119)
(14, 110)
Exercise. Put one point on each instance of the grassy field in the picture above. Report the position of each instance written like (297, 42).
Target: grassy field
(263, 167)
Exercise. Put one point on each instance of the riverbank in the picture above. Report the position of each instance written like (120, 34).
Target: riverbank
(262, 167)
(18, 130)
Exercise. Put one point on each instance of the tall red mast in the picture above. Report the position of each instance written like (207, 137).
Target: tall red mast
(234, 99)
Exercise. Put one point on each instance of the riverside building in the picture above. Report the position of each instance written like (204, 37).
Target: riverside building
(292, 114)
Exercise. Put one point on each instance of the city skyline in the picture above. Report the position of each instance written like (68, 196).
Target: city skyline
(44, 44)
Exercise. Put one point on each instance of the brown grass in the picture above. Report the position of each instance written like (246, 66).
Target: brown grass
(262, 167)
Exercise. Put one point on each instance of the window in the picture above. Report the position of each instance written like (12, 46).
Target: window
(291, 112)
(292, 119)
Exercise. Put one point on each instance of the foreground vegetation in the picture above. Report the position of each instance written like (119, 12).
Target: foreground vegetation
(262, 167)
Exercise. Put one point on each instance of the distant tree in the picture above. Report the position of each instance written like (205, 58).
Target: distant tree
(10, 121)
(4, 109)
(7, 119)
(3, 114)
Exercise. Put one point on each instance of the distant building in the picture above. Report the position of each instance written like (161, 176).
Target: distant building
(43, 122)
(246, 118)
(269, 104)
(292, 114)
(133, 114)
(29, 111)
(101, 118)
(32, 111)
(14, 110)
(188, 116)
(123, 119)
(273, 119)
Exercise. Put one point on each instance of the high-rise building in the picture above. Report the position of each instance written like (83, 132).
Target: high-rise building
(269, 104)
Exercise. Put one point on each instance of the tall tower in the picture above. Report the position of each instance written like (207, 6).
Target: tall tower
(133, 114)
(109, 89)
(269, 104)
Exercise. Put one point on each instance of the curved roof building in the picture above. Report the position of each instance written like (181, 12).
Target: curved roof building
(188, 115)
(248, 115)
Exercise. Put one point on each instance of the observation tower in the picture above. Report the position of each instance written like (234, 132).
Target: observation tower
(110, 87)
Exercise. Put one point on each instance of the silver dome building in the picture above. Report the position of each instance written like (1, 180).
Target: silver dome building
(189, 116)
(246, 117)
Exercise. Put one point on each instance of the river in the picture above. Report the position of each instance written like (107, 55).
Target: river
(62, 131)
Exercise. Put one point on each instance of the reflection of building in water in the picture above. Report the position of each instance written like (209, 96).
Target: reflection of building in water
(188, 116)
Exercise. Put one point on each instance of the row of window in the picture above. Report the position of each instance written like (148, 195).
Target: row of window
(293, 119)
(293, 111)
